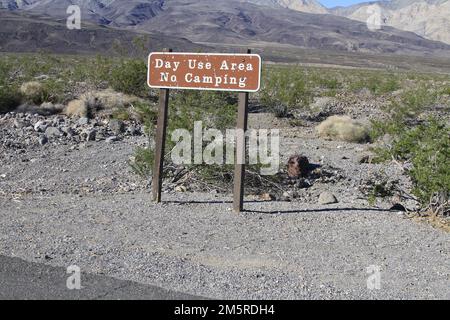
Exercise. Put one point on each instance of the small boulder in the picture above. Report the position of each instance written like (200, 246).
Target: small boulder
(52, 132)
(327, 198)
(83, 121)
(267, 197)
(40, 126)
(365, 158)
(180, 188)
(90, 135)
(116, 126)
(298, 166)
(42, 140)
(111, 139)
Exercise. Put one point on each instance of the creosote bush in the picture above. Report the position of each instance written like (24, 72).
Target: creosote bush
(215, 109)
(427, 147)
(285, 87)
(130, 77)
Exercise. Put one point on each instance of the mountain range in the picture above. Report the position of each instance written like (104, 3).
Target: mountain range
(299, 23)
(428, 18)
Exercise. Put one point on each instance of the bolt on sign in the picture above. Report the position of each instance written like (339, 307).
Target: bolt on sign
(215, 71)
(203, 71)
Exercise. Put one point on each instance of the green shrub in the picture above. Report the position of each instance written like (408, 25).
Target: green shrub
(215, 109)
(427, 147)
(130, 77)
(446, 91)
(286, 87)
(9, 98)
(378, 84)
(142, 164)
(147, 115)
(403, 113)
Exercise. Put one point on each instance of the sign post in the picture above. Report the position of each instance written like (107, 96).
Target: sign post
(161, 128)
(204, 71)
(239, 169)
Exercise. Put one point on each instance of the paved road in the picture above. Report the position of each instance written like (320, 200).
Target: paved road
(20, 279)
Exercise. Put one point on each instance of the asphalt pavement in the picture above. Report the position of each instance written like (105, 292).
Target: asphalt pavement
(22, 280)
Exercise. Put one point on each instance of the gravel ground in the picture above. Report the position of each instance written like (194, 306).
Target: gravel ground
(78, 203)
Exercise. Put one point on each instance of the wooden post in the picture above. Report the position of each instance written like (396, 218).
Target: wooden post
(239, 169)
(160, 140)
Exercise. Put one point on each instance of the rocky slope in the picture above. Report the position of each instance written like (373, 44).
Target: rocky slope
(428, 18)
(22, 32)
(242, 23)
(310, 6)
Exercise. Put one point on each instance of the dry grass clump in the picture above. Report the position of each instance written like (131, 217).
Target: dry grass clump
(76, 108)
(105, 102)
(343, 128)
(33, 91)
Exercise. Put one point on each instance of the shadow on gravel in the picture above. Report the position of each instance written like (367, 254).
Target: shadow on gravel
(338, 209)
(317, 210)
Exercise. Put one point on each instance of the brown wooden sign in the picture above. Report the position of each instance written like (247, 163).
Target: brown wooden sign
(204, 71)
(215, 71)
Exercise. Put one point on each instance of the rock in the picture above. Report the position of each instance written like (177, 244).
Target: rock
(41, 77)
(40, 126)
(286, 196)
(327, 198)
(365, 158)
(83, 121)
(298, 166)
(42, 140)
(180, 189)
(90, 135)
(116, 126)
(267, 197)
(134, 131)
(111, 139)
(69, 131)
(52, 132)
(303, 183)
(19, 124)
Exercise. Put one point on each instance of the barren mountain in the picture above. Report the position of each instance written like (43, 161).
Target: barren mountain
(428, 18)
(310, 6)
(239, 22)
(22, 32)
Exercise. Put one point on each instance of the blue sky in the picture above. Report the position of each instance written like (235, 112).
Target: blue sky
(335, 3)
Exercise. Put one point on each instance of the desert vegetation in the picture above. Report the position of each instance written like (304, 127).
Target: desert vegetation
(402, 116)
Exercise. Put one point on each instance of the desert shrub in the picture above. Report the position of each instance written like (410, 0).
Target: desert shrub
(34, 91)
(77, 108)
(377, 83)
(147, 114)
(446, 91)
(427, 147)
(403, 113)
(9, 98)
(37, 92)
(343, 128)
(106, 102)
(215, 109)
(286, 87)
(425, 143)
(281, 111)
(142, 162)
(130, 77)
(329, 83)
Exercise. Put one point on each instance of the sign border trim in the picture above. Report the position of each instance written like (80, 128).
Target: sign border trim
(205, 54)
